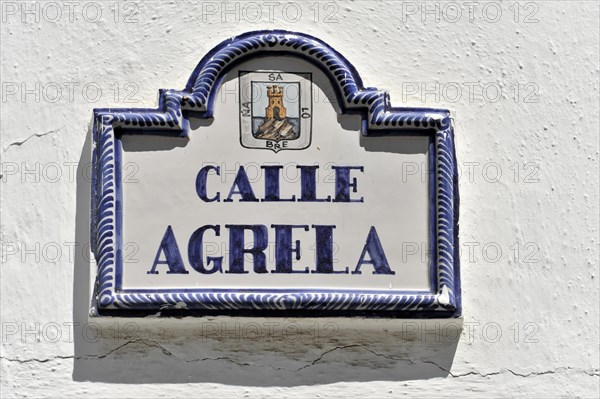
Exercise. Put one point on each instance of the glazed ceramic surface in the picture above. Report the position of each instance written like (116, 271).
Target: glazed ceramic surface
(276, 181)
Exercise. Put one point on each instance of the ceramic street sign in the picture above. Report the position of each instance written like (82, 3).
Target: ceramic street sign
(275, 181)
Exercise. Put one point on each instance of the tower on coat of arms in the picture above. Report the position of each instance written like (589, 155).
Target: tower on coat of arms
(275, 110)
(275, 125)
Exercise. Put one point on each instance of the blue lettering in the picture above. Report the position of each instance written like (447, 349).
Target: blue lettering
(343, 185)
(244, 188)
(195, 253)
(272, 184)
(284, 248)
(168, 245)
(324, 249)
(201, 183)
(237, 248)
(308, 179)
(375, 250)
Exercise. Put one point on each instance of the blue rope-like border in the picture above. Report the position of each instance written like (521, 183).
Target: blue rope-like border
(198, 97)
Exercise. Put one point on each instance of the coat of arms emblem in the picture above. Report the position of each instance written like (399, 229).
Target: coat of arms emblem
(275, 110)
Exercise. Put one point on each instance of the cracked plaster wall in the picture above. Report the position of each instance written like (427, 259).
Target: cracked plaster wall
(530, 311)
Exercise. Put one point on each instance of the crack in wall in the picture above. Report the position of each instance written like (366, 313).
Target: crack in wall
(319, 359)
(20, 143)
(23, 361)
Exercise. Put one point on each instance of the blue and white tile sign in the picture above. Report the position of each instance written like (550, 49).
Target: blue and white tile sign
(275, 181)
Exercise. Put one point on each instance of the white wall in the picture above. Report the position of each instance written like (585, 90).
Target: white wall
(540, 291)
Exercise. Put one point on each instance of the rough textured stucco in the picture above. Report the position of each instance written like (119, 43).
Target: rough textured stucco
(541, 293)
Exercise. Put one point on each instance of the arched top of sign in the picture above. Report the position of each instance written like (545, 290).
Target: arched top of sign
(197, 98)
(198, 95)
